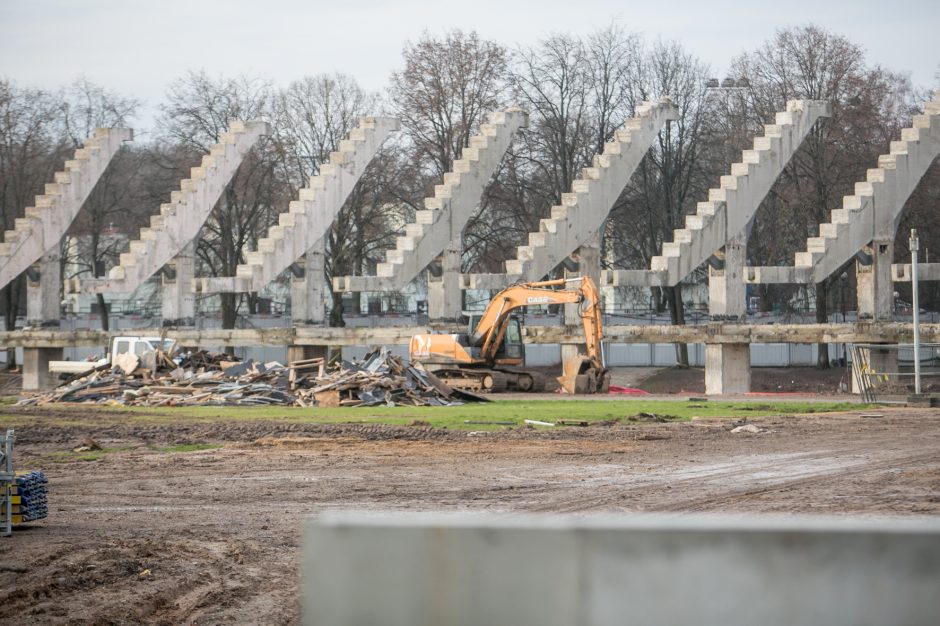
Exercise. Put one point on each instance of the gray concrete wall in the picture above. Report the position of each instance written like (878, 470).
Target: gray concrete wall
(438, 570)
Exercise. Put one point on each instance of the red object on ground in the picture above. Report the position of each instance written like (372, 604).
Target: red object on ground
(627, 390)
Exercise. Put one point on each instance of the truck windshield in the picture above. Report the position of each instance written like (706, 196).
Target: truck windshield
(156, 345)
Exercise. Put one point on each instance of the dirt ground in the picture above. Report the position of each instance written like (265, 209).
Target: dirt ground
(763, 380)
(213, 536)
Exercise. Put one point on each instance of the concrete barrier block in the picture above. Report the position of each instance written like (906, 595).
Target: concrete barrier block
(424, 569)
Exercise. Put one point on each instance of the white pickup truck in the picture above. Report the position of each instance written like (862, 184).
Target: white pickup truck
(138, 346)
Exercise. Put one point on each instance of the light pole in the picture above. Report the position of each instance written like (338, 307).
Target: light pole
(915, 246)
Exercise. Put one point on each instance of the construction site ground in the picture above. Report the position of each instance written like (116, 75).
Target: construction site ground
(195, 517)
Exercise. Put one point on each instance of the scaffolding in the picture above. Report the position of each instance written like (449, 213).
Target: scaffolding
(885, 373)
(7, 482)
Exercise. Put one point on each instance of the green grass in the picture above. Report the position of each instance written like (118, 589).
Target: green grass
(440, 417)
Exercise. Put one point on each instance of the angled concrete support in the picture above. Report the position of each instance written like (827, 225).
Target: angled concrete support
(446, 213)
(731, 207)
(179, 301)
(307, 292)
(41, 229)
(179, 220)
(307, 219)
(581, 212)
(873, 212)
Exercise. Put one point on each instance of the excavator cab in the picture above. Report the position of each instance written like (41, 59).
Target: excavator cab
(512, 347)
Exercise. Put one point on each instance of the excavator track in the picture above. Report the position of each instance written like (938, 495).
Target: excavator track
(482, 380)
(493, 380)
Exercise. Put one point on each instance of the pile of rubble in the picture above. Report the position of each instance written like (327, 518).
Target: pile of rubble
(203, 378)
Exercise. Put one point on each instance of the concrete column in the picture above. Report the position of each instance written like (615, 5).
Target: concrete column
(43, 309)
(36, 376)
(445, 298)
(308, 291)
(875, 287)
(588, 257)
(876, 304)
(179, 301)
(728, 366)
(44, 295)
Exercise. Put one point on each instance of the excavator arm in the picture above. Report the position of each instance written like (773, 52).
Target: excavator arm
(584, 373)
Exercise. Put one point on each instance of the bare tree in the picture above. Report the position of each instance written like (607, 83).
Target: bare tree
(553, 81)
(445, 88)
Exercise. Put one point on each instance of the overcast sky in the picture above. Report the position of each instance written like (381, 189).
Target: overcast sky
(137, 47)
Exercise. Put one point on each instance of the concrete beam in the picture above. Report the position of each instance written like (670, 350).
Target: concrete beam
(588, 258)
(430, 569)
(715, 332)
(778, 275)
(491, 282)
(44, 295)
(445, 297)
(634, 278)
(875, 289)
(221, 284)
(902, 272)
(36, 374)
(728, 366)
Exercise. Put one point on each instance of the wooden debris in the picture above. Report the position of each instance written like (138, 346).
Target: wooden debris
(201, 378)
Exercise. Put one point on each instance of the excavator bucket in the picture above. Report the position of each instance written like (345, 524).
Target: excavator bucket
(581, 375)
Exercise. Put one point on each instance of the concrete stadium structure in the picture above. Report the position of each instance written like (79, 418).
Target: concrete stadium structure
(718, 228)
(301, 229)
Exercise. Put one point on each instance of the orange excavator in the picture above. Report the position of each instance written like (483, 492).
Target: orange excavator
(487, 357)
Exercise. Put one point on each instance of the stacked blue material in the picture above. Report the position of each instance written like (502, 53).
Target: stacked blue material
(32, 489)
